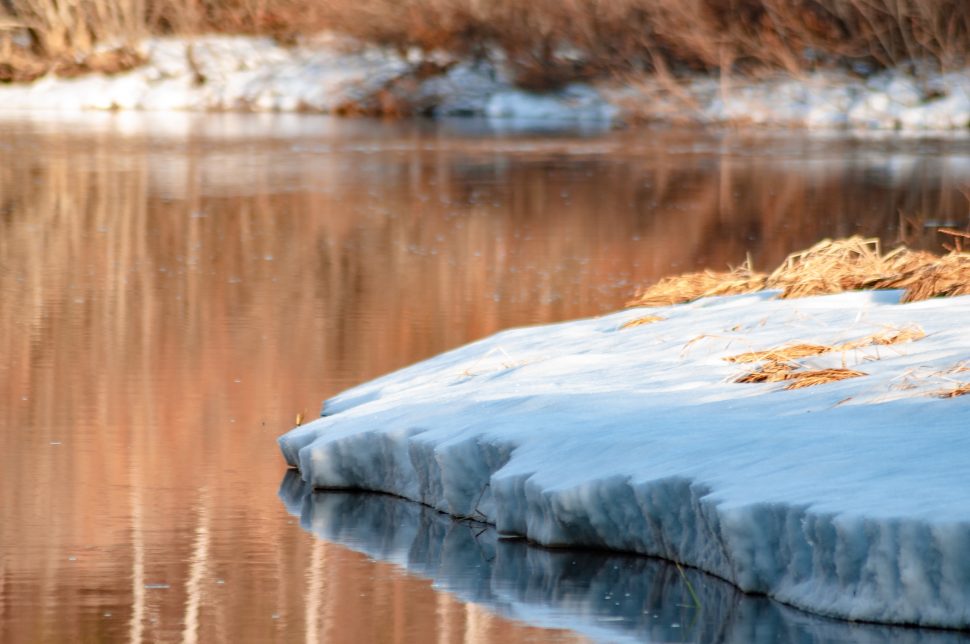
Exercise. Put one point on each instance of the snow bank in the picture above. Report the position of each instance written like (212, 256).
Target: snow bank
(849, 499)
(330, 74)
(604, 596)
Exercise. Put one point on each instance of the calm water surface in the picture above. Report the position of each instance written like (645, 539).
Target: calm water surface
(175, 290)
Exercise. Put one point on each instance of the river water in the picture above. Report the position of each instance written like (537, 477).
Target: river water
(176, 290)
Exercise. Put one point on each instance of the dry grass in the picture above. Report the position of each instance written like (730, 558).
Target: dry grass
(907, 333)
(780, 364)
(771, 371)
(783, 354)
(548, 42)
(778, 359)
(830, 266)
(774, 370)
(945, 276)
(646, 319)
(953, 392)
(553, 41)
(802, 379)
(692, 286)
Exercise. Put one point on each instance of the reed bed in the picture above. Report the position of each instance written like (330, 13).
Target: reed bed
(546, 43)
(830, 266)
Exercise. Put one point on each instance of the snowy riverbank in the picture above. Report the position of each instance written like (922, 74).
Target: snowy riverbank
(847, 499)
(334, 75)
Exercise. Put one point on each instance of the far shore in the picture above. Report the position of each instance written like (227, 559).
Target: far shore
(339, 75)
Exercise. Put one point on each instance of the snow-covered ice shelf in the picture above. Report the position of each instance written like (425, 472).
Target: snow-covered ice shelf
(604, 596)
(849, 499)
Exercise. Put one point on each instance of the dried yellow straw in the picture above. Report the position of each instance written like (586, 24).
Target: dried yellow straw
(781, 354)
(693, 286)
(958, 390)
(907, 333)
(771, 371)
(830, 266)
(774, 371)
(802, 379)
(646, 319)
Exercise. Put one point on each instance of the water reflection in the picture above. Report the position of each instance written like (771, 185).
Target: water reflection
(174, 289)
(609, 597)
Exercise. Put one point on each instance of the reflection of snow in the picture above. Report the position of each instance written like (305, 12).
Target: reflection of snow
(577, 102)
(329, 74)
(608, 597)
(847, 498)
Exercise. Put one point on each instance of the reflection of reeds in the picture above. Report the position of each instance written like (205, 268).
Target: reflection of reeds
(137, 289)
(125, 322)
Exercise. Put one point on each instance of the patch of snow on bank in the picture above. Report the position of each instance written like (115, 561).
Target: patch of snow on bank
(848, 499)
(890, 100)
(221, 73)
(328, 74)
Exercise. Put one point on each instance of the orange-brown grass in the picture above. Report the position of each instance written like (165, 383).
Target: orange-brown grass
(830, 266)
(801, 379)
(907, 333)
(778, 371)
(947, 276)
(953, 392)
(692, 286)
(785, 353)
(646, 319)
(546, 43)
(771, 371)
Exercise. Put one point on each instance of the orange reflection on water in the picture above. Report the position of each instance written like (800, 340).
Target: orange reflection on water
(169, 303)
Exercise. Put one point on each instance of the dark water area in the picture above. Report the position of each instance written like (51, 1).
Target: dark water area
(176, 289)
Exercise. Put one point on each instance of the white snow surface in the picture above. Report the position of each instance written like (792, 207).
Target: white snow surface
(327, 73)
(849, 499)
(223, 73)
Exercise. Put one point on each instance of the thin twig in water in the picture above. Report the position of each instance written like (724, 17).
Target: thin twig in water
(690, 587)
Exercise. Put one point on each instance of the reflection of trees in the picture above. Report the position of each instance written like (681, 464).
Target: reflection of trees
(137, 288)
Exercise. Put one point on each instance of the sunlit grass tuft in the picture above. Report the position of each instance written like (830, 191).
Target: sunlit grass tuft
(830, 266)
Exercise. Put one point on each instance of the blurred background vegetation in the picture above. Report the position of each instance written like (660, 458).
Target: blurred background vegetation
(544, 42)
